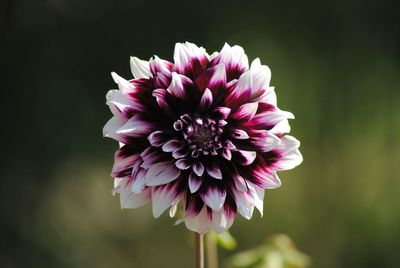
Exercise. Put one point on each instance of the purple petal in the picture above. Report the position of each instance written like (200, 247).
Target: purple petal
(213, 197)
(206, 99)
(227, 154)
(235, 60)
(157, 138)
(136, 127)
(162, 173)
(194, 182)
(172, 145)
(244, 158)
(290, 156)
(198, 168)
(183, 164)
(222, 220)
(123, 163)
(163, 197)
(158, 65)
(151, 156)
(199, 223)
(246, 112)
(160, 95)
(214, 171)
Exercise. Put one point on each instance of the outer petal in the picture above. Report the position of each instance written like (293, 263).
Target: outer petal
(162, 173)
(194, 182)
(139, 68)
(235, 60)
(291, 156)
(129, 199)
(213, 196)
(136, 127)
(111, 127)
(190, 59)
(222, 220)
(213, 78)
(200, 223)
(163, 197)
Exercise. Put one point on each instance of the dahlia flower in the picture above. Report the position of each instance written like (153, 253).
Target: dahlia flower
(203, 133)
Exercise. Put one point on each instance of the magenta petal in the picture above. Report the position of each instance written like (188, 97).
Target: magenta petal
(246, 112)
(206, 99)
(160, 95)
(178, 85)
(213, 78)
(194, 182)
(244, 158)
(227, 154)
(221, 113)
(151, 156)
(239, 134)
(123, 164)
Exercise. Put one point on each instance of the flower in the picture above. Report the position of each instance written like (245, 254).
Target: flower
(203, 133)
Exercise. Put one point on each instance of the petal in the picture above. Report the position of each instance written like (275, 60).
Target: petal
(136, 126)
(190, 59)
(129, 199)
(183, 164)
(235, 60)
(158, 65)
(161, 98)
(172, 145)
(178, 85)
(291, 156)
(213, 170)
(264, 140)
(199, 223)
(244, 158)
(213, 196)
(239, 134)
(123, 163)
(124, 86)
(221, 113)
(258, 194)
(162, 173)
(150, 156)
(139, 68)
(194, 182)
(221, 221)
(198, 168)
(138, 180)
(246, 112)
(245, 202)
(213, 78)
(123, 104)
(163, 197)
(157, 138)
(111, 127)
(206, 100)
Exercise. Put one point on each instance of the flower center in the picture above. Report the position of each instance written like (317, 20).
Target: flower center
(201, 134)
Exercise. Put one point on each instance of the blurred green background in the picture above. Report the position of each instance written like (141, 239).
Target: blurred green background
(335, 65)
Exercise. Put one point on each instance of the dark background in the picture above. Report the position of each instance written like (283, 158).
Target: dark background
(335, 65)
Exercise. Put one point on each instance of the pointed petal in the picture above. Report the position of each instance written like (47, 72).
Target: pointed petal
(239, 134)
(183, 164)
(157, 138)
(214, 170)
(111, 127)
(194, 182)
(139, 68)
(245, 203)
(190, 59)
(246, 112)
(136, 127)
(213, 196)
(172, 145)
(162, 173)
(213, 78)
(163, 197)
(199, 223)
(221, 113)
(244, 158)
(235, 60)
(178, 85)
(291, 156)
(264, 140)
(258, 194)
(206, 100)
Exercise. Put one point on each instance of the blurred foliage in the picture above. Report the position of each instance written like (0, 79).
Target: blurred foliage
(335, 65)
(226, 241)
(278, 252)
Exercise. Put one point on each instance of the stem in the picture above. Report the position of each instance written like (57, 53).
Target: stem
(212, 250)
(199, 250)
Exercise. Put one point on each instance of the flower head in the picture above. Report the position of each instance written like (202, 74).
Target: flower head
(203, 132)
